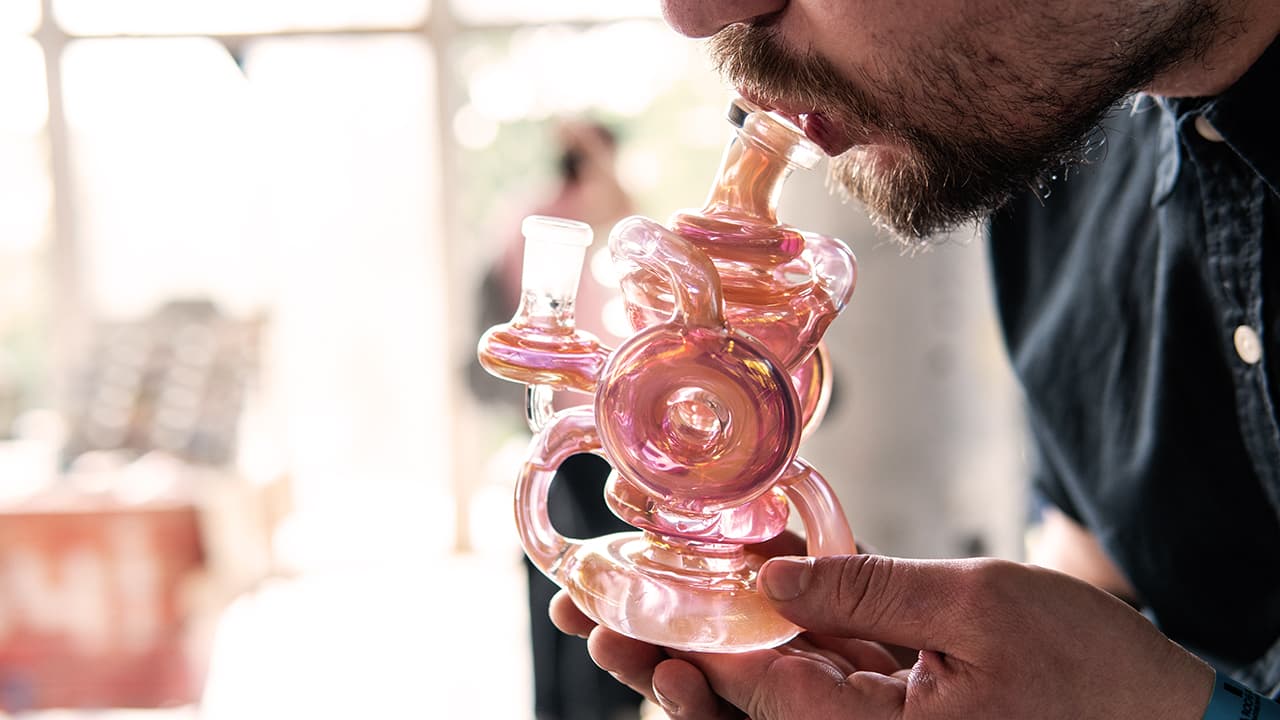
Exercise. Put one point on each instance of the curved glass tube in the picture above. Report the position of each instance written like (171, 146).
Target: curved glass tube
(826, 531)
(539, 405)
(568, 433)
(814, 381)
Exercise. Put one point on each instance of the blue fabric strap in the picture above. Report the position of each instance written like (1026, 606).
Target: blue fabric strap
(1233, 701)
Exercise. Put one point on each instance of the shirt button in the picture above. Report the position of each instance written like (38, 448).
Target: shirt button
(1248, 346)
(1207, 130)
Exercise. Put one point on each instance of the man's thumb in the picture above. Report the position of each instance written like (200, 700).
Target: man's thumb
(904, 602)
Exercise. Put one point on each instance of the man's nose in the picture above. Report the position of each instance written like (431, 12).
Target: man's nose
(704, 18)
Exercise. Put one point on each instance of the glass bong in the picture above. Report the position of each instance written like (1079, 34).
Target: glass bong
(700, 412)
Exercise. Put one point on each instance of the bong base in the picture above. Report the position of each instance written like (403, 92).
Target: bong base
(641, 587)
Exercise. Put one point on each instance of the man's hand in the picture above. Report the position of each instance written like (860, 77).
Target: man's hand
(998, 639)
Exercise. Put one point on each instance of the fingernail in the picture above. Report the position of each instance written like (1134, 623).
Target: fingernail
(670, 706)
(786, 578)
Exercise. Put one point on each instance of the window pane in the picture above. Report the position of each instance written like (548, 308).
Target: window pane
(162, 156)
(232, 16)
(19, 16)
(518, 11)
(350, 147)
(24, 223)
(305, 186)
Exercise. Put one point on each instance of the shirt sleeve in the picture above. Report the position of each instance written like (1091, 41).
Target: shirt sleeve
(1047, 487)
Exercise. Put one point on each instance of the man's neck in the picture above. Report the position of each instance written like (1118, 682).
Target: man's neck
(1247, 29)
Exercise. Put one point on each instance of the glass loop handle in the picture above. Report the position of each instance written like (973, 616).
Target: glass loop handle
(825, 527)
(569, 432)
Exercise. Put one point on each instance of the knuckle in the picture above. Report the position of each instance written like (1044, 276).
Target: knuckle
(988, 582)
(862, 587)
(989, 592)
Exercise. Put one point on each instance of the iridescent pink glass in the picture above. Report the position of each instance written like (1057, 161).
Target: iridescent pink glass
(700, 412)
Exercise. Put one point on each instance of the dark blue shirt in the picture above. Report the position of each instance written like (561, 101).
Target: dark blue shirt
(1140, 300)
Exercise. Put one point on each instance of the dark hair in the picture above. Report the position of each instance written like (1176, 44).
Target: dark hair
(569, 163)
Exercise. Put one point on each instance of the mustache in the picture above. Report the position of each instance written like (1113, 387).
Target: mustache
(755, 59)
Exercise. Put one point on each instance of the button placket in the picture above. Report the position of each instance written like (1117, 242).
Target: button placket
(1232, 203)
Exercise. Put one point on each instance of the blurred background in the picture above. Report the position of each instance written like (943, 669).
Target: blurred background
(247, 466)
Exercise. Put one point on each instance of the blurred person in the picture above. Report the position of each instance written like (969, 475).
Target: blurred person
(567, 684)
(1123, 156)
(586, 189)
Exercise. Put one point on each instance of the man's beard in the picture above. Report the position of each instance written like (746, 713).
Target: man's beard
(963, 150)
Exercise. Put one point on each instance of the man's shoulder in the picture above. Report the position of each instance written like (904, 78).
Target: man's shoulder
(1077, 240)
(1119, 170)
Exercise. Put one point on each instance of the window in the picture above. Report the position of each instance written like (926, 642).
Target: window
(344, 171)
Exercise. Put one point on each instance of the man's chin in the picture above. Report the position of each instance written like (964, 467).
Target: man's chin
(912, 200)
(883, 180)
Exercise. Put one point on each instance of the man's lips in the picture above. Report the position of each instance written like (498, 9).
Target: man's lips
(827, 135)
(833, 137)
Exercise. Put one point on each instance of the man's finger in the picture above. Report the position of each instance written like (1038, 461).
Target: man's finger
(914, 603)
(768, 685)
(627, 659)
(567, 617)
(682, 691)
(859, 654)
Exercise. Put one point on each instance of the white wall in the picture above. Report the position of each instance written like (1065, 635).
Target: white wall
(924, 443)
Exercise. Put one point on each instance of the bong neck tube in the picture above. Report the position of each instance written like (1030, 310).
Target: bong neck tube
(755, 166)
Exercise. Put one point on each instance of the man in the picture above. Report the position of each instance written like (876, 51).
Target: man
(1139, 301)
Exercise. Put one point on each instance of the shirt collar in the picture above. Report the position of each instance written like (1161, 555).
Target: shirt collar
(1247, 115)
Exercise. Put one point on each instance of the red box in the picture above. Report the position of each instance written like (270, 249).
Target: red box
(91, 607)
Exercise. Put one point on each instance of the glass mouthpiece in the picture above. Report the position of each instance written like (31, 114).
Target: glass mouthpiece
(774, 130)
(554, 251)
(544, 228)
